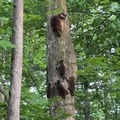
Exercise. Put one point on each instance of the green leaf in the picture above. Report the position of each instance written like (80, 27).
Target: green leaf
(6, 44)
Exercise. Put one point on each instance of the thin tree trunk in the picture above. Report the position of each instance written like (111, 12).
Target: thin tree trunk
(17, 55)
(116, 111)
(87, 102)
(3, 96)
(61, 48)
(87, 109)
(105, 104)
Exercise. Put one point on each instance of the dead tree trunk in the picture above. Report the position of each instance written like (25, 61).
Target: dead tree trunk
(62, 69)
(17, 55)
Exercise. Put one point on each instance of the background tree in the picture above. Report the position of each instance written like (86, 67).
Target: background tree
(17, 55)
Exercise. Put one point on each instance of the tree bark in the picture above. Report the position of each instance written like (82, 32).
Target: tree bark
(60, 48)
(17, 55)
(86, 102)
(106, 104)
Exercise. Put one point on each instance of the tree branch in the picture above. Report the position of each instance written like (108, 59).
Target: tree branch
(95, 32)
(102, 13)
(32, 79)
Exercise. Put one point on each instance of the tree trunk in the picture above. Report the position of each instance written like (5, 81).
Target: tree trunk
(3, 95)
(17, 55)
(60, 48)
(106, 104)
(86, 102)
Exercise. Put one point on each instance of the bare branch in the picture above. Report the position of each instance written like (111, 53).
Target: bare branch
(33, 79)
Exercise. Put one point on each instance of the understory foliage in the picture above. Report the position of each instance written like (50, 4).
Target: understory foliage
(95, 31)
